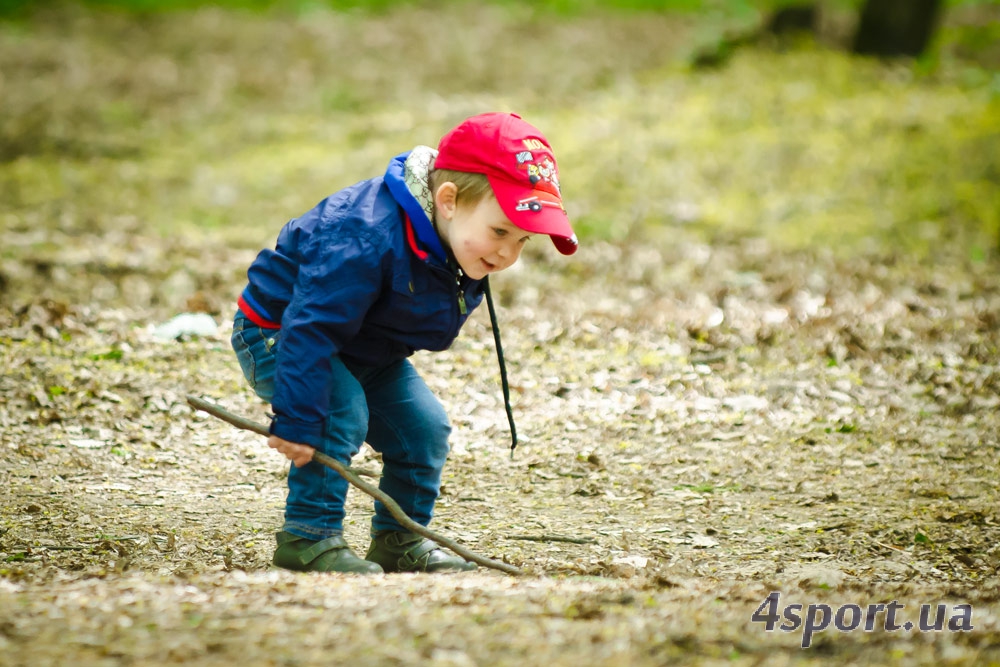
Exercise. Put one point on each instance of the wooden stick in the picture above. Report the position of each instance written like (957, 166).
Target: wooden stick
(552, 538)
(373, 491)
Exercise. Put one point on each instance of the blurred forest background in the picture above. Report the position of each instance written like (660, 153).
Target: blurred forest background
(686, 118)
(771, 366)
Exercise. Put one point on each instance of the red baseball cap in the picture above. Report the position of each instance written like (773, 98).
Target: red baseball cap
(521, 169)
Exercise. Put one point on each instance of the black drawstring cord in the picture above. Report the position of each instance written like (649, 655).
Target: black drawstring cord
(503, 366)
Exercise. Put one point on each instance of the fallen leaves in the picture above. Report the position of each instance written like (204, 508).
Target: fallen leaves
(702, 422)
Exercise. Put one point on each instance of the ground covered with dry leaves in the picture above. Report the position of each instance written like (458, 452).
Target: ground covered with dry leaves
(714, 404)
(747, 422)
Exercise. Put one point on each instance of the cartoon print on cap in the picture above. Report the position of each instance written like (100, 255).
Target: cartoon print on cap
(544, 170)
(536, 204)
(543, 177)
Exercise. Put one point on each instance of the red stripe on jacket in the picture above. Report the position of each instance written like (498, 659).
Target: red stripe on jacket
(412, 240)
(252, 315)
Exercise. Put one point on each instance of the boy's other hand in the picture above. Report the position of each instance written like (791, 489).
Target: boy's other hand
(294, 452)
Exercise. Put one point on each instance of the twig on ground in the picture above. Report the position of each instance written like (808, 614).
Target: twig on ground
(552, 538)
(352, 477)
(67, 547)
(836, 526)
(887, 546)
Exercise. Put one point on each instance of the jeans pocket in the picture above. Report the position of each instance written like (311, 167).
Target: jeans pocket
(245, 357)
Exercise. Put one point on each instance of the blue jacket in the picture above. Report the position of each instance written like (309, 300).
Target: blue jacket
(362, 275)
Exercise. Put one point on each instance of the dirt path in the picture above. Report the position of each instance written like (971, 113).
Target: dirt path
(711, 422)
(833, 438)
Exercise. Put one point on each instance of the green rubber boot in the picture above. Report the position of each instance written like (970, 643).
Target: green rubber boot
(329, 555)
(398, 551)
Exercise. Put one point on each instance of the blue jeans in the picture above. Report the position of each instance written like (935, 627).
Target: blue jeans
(390, 407)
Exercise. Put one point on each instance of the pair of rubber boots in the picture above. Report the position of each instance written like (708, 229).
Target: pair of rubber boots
(390, 551)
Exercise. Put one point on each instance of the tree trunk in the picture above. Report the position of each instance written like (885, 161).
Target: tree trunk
(896, 27)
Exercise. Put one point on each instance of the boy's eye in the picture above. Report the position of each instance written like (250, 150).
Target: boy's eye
(500, 231)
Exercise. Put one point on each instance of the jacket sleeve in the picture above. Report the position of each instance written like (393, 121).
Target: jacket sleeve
(339, 280)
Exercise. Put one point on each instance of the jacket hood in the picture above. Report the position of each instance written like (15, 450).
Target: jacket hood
(422, 226)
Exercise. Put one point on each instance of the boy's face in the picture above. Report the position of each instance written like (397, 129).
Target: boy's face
(480, 236)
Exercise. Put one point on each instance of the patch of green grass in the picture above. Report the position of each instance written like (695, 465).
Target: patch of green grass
(563, 7)
(706, 487)
(110, 355)
(173, 124)
(567, 8)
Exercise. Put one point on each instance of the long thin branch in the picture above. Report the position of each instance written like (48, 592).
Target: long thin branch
(352, 477)
(552, 538)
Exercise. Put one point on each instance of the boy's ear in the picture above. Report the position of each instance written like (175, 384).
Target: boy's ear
(446, 199)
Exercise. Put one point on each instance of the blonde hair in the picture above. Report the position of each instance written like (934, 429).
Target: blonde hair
(472, 187)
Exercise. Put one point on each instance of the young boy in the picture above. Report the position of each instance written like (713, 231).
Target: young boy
(383, 268)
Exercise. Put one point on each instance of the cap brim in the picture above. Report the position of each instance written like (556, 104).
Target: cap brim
(542, 215)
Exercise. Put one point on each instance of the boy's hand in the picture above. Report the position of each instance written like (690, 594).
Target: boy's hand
(296, 453)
